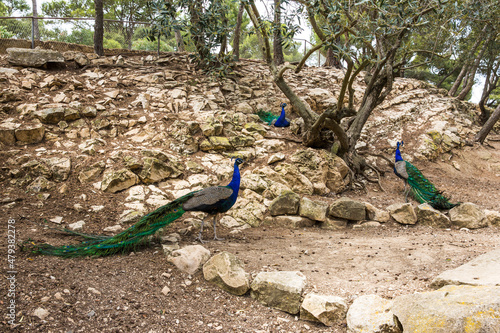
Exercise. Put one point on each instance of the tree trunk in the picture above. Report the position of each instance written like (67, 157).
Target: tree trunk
(485, 130)
(36, 29)
(438, 85)
(277, 38)
(331, 59)
(99, 28)
(490, 84)
(472, 72)
(458, 81)
(180, 42)
(237, 33)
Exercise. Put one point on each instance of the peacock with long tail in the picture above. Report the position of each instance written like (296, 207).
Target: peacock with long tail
(272, 119)
(212, 200)
(422, 189)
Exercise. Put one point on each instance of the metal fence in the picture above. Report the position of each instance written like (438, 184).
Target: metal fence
(130, 35)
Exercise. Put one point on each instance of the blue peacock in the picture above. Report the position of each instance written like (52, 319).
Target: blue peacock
(422, 189)
(272, 119)
(212, 200)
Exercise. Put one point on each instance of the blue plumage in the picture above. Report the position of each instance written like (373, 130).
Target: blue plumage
(212, 200)
(272, 119)
(422, 189)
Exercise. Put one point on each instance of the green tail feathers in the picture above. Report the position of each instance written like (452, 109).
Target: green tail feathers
(266, 116)
(424, 191)
(123, 242)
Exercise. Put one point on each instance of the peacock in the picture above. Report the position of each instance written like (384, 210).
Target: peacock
(422, 189)
(272, 119)
(212, 200)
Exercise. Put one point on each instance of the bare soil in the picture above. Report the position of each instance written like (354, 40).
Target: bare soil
(389, 260)
(123, 293)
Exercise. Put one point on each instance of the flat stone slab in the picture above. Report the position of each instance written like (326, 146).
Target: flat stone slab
(33, 57)
(481, 271)
(451, 309)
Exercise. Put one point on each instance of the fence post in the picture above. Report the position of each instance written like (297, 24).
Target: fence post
(32, 32)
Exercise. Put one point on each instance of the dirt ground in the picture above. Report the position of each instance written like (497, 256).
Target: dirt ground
(123, 293)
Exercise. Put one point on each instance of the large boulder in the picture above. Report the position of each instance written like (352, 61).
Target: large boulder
(286, 203)
(281, 290)
(372, 313)
(189, 259)
(349, 209)
(468, 215)
(403, 213)
(33, 57)
(226, 271)
(427, 215)
(325, 309)
(471, 309)
(116, 180)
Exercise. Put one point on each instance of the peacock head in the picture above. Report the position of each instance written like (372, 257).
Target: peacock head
(238, 161)
(283, 105)
(400, 143)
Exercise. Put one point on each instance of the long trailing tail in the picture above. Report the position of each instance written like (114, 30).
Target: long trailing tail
(126, 241)
(266, 116)
(424, 191)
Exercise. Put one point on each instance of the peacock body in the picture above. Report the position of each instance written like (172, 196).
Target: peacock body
(423, 190)
(272, 119)
(212, 200)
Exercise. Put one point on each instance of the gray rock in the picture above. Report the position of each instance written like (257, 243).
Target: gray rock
(292, 222)
(41, 313)
(298, 182)
(346, 208)
(493, 217)
(189, 259)
(450, 309)
(41, 184)
(372, 313)
(29, 134)
(216, 143)
(280, 290)
(89, 111)
(114, 181)
(468, 215)
(248, 211)
(50, 115)
(60, 167)
(483, 270)
(286, 203)
(403, 213)
(226, 271)
(375, 214)
(155, 170)
(92, 172)
(7, 133)
(323, 308)
(77, 225)
(334, 224)
(33, 57)
(427, 215)
(315, 210)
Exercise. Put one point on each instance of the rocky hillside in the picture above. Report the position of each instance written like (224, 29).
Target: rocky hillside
(108, 124)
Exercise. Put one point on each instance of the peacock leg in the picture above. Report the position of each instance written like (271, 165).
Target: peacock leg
(199, 234)
(406, 192)
(215, 230)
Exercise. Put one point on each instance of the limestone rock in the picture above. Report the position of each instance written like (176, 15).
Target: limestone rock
(493, 217)
(295, 180)
(468, 215)
(483, 270)
(91, 173)
(375, 214)
(155, 170)
(41, 313)
(427, 215)
(189, 259)
(247, 211)
(315, 210)
(334, 224)
(346, 208)
(7, 133)
(114, 181)
(292, 222)
(471, 309)
(60, 167)
(372, 313)
(257, 128)
(323, 308)
(281, 290)
(286, 203)
(403, 213)
(226, 271)
(29, 134)
(216, 143)
(32, 57)
(50, 115)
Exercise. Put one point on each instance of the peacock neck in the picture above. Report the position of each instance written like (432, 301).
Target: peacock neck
(235, 182)
(282, 115)
(398, 154)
